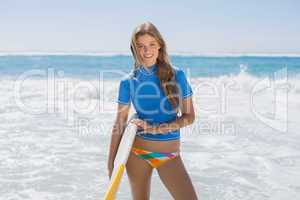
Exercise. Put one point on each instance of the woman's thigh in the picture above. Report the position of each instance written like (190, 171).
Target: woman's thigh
(139, 174)
(176, 179)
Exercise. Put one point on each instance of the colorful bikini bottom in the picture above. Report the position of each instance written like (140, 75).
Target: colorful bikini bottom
(155, 159)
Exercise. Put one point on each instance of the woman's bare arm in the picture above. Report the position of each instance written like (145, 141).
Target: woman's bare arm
(187, 118)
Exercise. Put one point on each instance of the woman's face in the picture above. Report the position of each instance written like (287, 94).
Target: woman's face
(148, 49)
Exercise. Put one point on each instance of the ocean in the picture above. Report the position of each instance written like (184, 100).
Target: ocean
(57, 111)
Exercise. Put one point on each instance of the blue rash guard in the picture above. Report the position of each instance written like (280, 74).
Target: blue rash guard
(141, 87)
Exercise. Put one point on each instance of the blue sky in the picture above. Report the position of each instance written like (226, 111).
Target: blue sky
(198, 26)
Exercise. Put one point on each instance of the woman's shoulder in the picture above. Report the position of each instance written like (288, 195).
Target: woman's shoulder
(130, 75)
(126, 78)
(133, 74)
(178, 72)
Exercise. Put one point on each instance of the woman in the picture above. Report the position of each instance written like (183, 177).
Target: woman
(162, 98)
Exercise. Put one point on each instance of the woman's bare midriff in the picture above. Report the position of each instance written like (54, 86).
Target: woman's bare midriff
(158, 146)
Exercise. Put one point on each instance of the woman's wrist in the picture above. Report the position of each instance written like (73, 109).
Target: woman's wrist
(167, 127)
(161, 128)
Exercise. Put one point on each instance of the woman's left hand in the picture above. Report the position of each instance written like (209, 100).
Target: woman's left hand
(146, 127)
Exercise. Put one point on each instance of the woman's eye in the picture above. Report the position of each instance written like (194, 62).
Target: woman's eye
(152, 45)
(139, 46)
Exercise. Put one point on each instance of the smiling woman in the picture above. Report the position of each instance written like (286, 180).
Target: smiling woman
(147, 49)
(162, 98)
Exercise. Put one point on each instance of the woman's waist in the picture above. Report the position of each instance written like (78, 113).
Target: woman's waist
(158, 146)
(156, 120)
(173, 132)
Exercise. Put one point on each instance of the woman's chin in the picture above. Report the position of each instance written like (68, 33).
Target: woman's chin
(149, 62)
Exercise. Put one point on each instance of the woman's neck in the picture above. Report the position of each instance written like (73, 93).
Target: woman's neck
(148, 64)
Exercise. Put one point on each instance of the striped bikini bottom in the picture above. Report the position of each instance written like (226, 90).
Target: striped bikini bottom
(155, 159)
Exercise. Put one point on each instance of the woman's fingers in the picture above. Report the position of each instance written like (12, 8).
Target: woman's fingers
(140, 123)
(144, 126)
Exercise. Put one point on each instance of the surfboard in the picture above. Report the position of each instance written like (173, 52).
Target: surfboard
(120, 160)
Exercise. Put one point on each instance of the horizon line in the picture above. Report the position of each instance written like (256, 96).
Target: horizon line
(171, 53)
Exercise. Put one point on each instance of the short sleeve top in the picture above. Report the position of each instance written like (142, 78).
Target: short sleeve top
(141, 88)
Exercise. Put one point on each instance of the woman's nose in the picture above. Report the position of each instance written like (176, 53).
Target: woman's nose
(146, 49)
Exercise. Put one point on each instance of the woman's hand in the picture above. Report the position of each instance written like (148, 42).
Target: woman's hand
(146, 127)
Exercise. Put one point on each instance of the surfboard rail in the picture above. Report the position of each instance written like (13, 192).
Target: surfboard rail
(121, 159)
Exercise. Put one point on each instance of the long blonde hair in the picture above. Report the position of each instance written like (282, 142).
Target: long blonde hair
(164, 71)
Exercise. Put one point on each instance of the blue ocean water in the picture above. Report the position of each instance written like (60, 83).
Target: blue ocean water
(55, 132)
(85, 66)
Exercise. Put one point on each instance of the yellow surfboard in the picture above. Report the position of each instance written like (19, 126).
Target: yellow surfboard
(120, 160)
